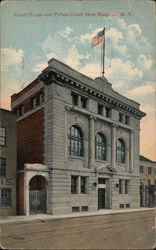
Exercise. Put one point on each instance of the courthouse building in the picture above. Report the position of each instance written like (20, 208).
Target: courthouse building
(7, 163)
(77, 144)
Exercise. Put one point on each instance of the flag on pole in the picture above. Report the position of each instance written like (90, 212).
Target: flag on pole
(98, 38)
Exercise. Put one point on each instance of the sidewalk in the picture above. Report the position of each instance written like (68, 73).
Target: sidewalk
(44, 217)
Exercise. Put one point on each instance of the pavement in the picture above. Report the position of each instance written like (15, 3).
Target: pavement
(6, 219)
(104, 229)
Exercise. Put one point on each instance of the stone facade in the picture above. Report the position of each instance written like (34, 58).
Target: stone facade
(7, 163)
(147, 182)
(92, 107)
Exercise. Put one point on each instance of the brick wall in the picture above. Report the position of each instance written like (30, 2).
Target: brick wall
(30, 139)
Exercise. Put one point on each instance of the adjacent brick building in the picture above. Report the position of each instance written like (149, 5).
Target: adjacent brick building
(78, 144)
(147, 182)
(7, 163)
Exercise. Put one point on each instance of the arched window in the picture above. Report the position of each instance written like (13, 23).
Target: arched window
(100, 147)
(75, 141)
(120, 151)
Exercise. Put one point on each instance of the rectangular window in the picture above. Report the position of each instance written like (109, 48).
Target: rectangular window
(120, 117)
(126, 119)
(120, 186)
(21, 110)
(33, 103)
(74, 99)
(74, 184)
(100, 109)
(84, 102)
(121, 205)
(83, 185)
(141, 169)
(84, 208)
(126, 186)
(75, 209)
(101, 181)
(2, 167)
(127, 205)
(149, 170)
(108, 112)
(38, 99)
(2, 136)
(5, 197)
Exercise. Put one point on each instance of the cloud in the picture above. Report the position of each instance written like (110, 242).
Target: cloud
(73, 58)
(147, 89)
(66, 32)
(92, 70)
(144, 62)
(133, 32)
(10, 56)
(120, 73)
(121, 23)
(39, 67)
(116, 37)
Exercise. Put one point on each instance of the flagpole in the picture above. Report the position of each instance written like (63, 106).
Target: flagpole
(103, 68)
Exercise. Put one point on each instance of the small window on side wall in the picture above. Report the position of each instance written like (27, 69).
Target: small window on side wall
(21, 110)
(39, 99)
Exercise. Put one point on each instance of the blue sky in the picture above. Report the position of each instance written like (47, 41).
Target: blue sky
(30, 39)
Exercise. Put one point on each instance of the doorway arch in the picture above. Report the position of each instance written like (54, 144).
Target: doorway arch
(36, 188)
(37, 195)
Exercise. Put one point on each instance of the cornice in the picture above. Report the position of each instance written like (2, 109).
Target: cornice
(52, 74)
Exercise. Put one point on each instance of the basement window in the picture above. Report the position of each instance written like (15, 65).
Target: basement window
(127, 205)
(75, 209)
(84, 208)
(121, 205)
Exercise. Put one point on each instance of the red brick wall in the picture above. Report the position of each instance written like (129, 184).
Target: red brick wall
(30, 147)
(26, 103)
(23, 91)
(30, 139)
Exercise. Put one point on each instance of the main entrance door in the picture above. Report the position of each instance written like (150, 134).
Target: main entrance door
(37, 195)
(101, 198)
